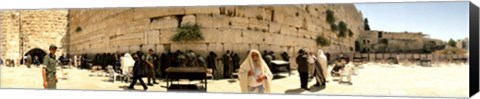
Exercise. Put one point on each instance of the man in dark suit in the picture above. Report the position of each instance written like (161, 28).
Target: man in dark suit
(138, 72)
(302, 68)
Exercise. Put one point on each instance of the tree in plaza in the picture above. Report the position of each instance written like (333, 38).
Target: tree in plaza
(451, 43)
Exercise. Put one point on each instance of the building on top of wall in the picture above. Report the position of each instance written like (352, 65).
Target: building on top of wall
(398, 42)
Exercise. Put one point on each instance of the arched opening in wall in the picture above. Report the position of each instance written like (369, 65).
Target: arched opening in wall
(36, 52)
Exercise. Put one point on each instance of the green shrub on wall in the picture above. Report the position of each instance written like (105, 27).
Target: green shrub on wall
(330, 16)
(188, 32)
(322, 41)
(78, 29)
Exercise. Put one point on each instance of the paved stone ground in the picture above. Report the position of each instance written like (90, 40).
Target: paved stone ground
(373, 79)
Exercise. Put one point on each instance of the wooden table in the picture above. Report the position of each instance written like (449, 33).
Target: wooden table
(190, 73)
(280, 63)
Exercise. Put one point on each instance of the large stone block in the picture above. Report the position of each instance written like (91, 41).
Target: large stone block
(253, 37)
(210, 34)
(166, 35)
(164, 22)
(258, 25)
(152, 37)
(215, 21)
(228, 35)
(239, 22)
(188, 19)
(157, 12)
(274, 27)
(202, 10)
(288, 30)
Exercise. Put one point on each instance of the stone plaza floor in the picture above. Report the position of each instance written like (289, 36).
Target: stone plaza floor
(372, 79)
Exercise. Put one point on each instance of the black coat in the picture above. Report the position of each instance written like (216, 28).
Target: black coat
(302, 63)
(164, 61)
(285, 57)
(139, 68)
(211, 59)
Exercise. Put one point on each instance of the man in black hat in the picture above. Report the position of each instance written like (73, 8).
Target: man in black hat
(49, 69)
(302, 68)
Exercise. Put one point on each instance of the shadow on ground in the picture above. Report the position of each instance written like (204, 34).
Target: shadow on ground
(316, 89)
(294, 91)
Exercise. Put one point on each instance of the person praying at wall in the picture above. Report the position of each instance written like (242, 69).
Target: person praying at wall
(181, 59)
(212, 63)
(201, 62)
(227, 65)
(268, 59)
(191, 58)
(164, 63)
(272, 54)
(236, 62)
(285, 56)
(254, 74)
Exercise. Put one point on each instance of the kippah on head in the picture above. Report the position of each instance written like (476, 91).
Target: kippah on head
(301, 51)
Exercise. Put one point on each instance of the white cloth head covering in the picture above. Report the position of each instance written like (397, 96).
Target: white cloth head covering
(126, 62)
(247, 65)
(321, 55)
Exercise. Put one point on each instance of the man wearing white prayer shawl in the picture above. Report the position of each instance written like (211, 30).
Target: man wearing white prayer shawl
(126, 62)
(254, 74)
(322, 59)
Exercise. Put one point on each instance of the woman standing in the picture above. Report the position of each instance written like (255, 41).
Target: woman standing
(254, 74)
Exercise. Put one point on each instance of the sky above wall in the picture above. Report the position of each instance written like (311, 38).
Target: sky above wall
(440, 20)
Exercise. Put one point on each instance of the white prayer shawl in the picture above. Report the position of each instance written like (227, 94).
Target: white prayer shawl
(126, 62)
(246, 66)
(322, 59)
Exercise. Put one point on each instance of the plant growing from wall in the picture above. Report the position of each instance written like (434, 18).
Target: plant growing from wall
(331, 20)
(350, 33)
(330, 16)
(334, 27)
(342, 27)
(322, 41)
(188, 32)
(78, 29)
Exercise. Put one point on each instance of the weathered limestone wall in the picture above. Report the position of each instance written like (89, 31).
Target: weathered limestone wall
(41, 28)
(238, 28)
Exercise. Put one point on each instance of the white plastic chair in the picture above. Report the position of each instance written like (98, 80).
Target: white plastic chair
(113, 74)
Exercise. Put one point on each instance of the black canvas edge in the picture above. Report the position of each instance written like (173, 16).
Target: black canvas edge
(473, 49)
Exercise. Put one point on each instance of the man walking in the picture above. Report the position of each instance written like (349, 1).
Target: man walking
(150, 62)
(137, 72)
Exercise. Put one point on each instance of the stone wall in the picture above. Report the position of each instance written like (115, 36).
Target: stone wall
(40, 29)
(238, 28)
